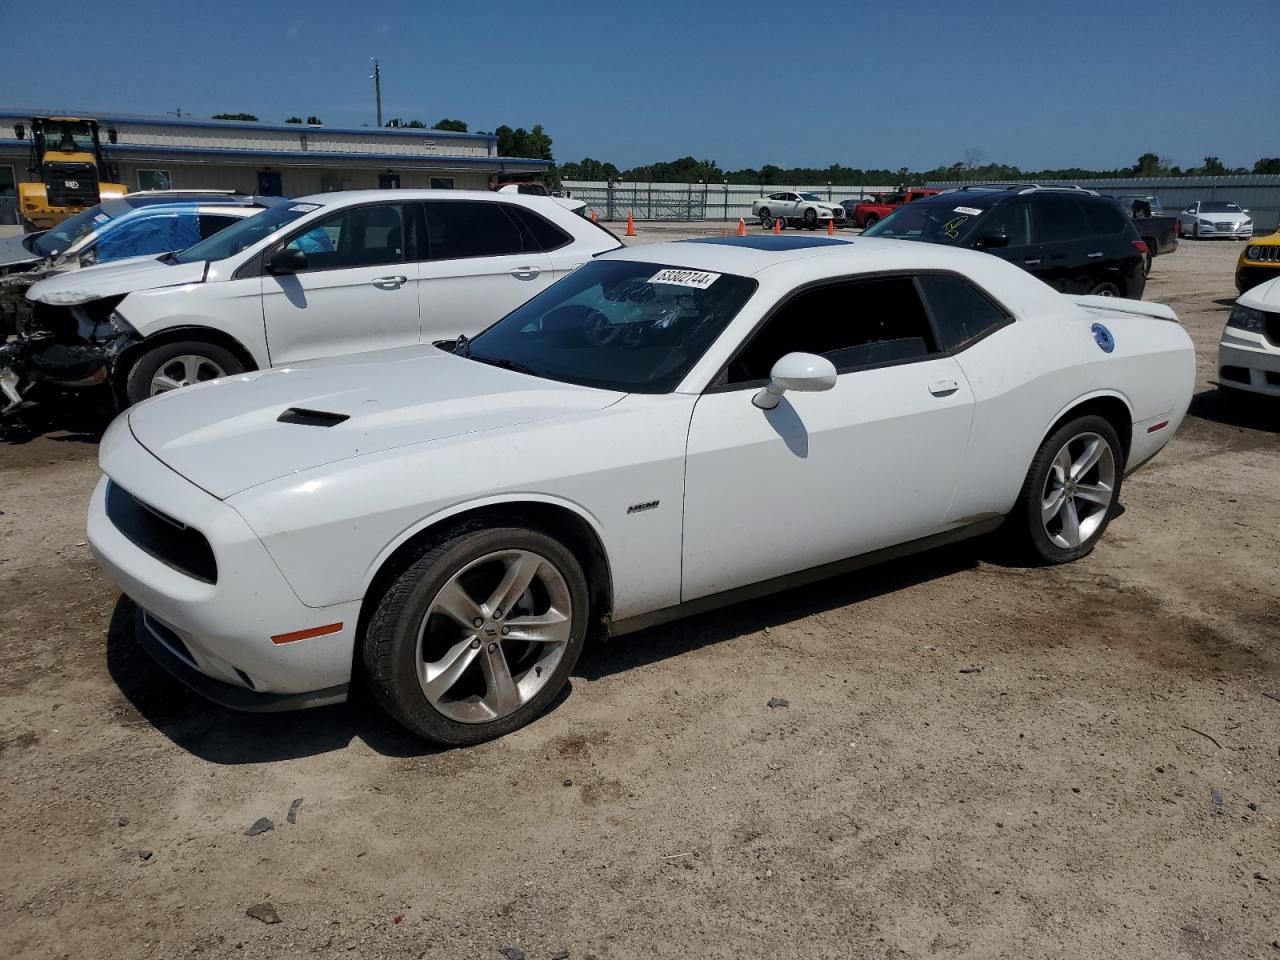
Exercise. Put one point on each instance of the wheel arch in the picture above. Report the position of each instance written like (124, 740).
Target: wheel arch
(1110, 405)
(132, 353)
(565, 521)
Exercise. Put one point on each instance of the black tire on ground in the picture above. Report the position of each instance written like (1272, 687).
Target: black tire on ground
(871, 221)
(137, 386)
(1024, 529)
(766, 220)
(389, 647)
(811, 219)
(1105, 289)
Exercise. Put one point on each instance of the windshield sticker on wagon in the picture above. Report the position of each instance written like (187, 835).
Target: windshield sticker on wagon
(971, 211)
(698, 279)
(304, 207)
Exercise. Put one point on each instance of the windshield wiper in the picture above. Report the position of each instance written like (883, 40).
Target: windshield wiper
(504, 363)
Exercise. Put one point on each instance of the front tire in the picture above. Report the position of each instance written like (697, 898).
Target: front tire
(870, 221)
(1070, 493)
(811, 219)
(178, 364)
(766, 219)
(478, 635)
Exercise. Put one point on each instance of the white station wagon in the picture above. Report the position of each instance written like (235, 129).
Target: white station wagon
(669, 428)
(330, 275)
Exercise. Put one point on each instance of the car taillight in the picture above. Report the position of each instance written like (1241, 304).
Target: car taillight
(1140, 246)
(1177, 228)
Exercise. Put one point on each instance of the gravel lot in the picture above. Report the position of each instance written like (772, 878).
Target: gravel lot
(977, 760)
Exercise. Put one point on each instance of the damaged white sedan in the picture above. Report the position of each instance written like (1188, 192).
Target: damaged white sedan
(667, 429)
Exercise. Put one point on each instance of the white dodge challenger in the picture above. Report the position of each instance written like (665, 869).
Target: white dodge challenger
(667, 429)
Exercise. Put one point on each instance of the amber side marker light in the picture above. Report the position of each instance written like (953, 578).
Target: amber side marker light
(307, 634)
(1151, 429)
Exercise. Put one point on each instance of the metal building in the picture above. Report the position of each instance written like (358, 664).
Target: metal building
(278, 159)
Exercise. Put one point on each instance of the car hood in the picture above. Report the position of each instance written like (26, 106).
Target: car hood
(13, 252)
(114, 279)
(226, 435)
(1265, 296)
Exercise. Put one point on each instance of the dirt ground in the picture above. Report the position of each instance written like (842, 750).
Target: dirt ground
(977, 760)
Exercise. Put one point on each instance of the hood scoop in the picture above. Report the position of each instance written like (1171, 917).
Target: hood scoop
(312, 418)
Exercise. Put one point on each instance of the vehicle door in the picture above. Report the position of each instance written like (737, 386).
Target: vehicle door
(1110, 248)
(1059, 225)
(540, 235)
(357, 291)
(476, 268)
(823, 476)
(1010, 221)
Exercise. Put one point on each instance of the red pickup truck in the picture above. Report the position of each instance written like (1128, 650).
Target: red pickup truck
(883, 204)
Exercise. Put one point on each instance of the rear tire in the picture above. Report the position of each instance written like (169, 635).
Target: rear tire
(871, 221)
(1105, 290)
(178, 364)
(457, 683)
(1070, 493)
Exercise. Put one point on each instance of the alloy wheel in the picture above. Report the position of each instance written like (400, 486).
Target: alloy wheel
(493, 636)
(183, 372)
(1079, 490)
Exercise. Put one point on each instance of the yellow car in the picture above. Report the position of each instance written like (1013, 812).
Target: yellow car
(1259, 262)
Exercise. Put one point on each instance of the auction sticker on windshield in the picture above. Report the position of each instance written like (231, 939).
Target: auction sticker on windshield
(304, 207)
(971, 211)
(698, 279)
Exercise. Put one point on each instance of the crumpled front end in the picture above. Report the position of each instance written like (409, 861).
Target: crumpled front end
(64, 347)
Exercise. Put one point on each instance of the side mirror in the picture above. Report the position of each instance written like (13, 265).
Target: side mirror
(992, 241)
(287, 260)
(804, 372)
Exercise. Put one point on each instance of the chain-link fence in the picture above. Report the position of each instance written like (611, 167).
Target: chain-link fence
(694, 201)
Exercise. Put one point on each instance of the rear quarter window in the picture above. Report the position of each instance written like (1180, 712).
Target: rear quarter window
(961, 312)
(1104, 219)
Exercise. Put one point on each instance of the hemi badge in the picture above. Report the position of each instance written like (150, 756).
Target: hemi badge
(307, 634)
(1159, 426)
(641, 507)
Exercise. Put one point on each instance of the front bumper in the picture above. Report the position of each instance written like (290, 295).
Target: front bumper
(1245, 233)
(1246, 361)
(216, 636)
(1249, 275)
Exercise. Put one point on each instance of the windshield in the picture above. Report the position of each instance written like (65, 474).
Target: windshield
(952, 220)
(242, 235)
(1219, 206)
(617, 325)
(76, 228)
(810, 196)
(68, 135)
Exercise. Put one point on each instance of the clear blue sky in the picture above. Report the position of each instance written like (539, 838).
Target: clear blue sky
(863, 83)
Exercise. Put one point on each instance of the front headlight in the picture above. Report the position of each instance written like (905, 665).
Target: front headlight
(1248, 221)
(1252, 252)
(1206, 223)
(1247, 318)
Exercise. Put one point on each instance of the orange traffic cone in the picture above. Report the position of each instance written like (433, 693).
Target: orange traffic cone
(777, 224)
(593, 216)
(742, 227)
(831, 228)
(631, 225)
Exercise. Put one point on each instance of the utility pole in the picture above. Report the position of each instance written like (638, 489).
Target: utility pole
(377, 86)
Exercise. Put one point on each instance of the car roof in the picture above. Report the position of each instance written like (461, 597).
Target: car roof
(346, 197)
(198, 196)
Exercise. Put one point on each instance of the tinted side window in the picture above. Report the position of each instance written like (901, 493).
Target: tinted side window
(209, 224)
(539, 232)
(470, 228)
(1060, 218)
(1011, 219)
(1105, 220)
(854, 323)
(961, 312)
(361, 237)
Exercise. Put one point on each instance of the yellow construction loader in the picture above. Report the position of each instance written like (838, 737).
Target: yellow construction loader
(75, 171)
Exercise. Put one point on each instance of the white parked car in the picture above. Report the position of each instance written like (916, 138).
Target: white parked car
(1249, 352)
(796, 210)
(669, 428)
(330, 275)
(1216, 218)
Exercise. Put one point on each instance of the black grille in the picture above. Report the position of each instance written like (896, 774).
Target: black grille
(1234, 374)
(170, 541)
(72, 184)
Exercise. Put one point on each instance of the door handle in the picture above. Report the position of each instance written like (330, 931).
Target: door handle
(1033, 262)
(943, 388)
(526, 273)
(389, 283)
(1095, 255)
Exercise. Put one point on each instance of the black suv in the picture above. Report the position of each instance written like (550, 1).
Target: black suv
(1073, 239)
